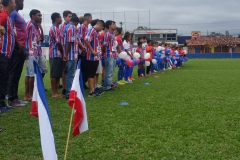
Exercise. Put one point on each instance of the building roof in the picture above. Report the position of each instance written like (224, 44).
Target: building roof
(216, 41)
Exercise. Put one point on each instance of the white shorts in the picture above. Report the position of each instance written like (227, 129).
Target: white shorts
(99, 69)
(40, 59)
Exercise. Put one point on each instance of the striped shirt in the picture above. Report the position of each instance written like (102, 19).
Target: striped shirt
(70, 35)
(119, 41)
(33, 46)
(7, 41)
(61, 29)
(54, 40)
(140, 51)
(109, 40)
(82, 32)
(93, 38)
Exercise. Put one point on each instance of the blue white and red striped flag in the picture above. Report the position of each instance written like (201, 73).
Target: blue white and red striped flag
(40, 110)
(77, 102)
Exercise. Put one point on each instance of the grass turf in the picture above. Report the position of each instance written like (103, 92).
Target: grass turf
(188, 113)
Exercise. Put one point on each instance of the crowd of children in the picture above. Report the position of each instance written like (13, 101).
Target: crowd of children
(150, 57)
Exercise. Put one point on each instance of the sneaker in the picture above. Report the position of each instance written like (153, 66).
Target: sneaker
(120, 83)
(16, 103)
(155, 71)
(132, 79)
(98, 86)
(124, 81)
(113, 85)
(3, 110)
(93, 94)
(9, 107)
(99, 91)
(21, 101)
(129, 81)
(0, 129)
(46, 90)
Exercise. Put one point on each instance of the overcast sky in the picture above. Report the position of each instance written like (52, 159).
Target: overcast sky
(184, 15)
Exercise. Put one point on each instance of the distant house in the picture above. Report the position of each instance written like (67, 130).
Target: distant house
(160, 35)
(218, 44)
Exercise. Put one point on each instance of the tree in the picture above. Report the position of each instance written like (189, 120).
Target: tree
(227, 33)
(238, 35)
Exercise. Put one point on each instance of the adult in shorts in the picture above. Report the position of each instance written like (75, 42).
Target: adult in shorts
(55, 54)
(34, 37)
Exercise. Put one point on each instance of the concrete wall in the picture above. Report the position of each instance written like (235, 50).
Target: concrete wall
(213, 55)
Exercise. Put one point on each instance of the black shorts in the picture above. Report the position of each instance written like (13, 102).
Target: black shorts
(56, 67)
(91, 68)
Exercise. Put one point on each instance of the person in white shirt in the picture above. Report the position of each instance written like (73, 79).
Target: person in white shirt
(127, 49)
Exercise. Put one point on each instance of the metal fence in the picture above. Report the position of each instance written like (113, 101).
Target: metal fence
(130, 19)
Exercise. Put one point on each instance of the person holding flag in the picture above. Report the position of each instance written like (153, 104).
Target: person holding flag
(94, 52)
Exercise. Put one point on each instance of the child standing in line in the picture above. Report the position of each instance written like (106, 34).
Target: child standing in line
(131, 68)
(149, 49)
(141, 65)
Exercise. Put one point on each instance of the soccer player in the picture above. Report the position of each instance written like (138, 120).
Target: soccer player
(93, 55)
(34, 37)
(99, 69)
(55, 54)
(71, 45)
(109, 40)
(118, 37)
(6, 49)
(18, 57)
(127, 49)
(67, 15)
(82, 32)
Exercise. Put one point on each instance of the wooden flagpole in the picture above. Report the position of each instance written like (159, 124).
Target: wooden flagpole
(69, 131)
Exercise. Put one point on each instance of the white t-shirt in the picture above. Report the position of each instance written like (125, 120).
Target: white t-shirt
(144, 48)
(126, 46)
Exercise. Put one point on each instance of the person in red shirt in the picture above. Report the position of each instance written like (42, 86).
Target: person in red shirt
(7, 43)
(149, 49)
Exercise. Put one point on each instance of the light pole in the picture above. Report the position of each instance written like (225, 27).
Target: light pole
(121, 23)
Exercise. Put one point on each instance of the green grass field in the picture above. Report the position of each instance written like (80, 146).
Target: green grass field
(188, 113)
